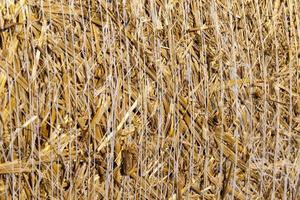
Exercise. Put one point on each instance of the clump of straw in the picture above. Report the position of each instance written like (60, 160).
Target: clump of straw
(149, 99)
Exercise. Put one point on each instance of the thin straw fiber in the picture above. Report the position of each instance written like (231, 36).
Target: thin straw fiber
(150, 99)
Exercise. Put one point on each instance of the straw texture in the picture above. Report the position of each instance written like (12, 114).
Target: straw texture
(149, 99)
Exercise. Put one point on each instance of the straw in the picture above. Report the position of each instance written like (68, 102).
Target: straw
(149, 99)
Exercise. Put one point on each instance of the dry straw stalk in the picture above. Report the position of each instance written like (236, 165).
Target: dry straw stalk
(149, 99)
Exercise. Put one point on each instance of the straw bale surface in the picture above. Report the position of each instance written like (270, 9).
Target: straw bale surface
(149, 99)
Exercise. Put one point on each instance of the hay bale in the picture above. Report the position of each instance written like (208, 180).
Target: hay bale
(149, 99)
